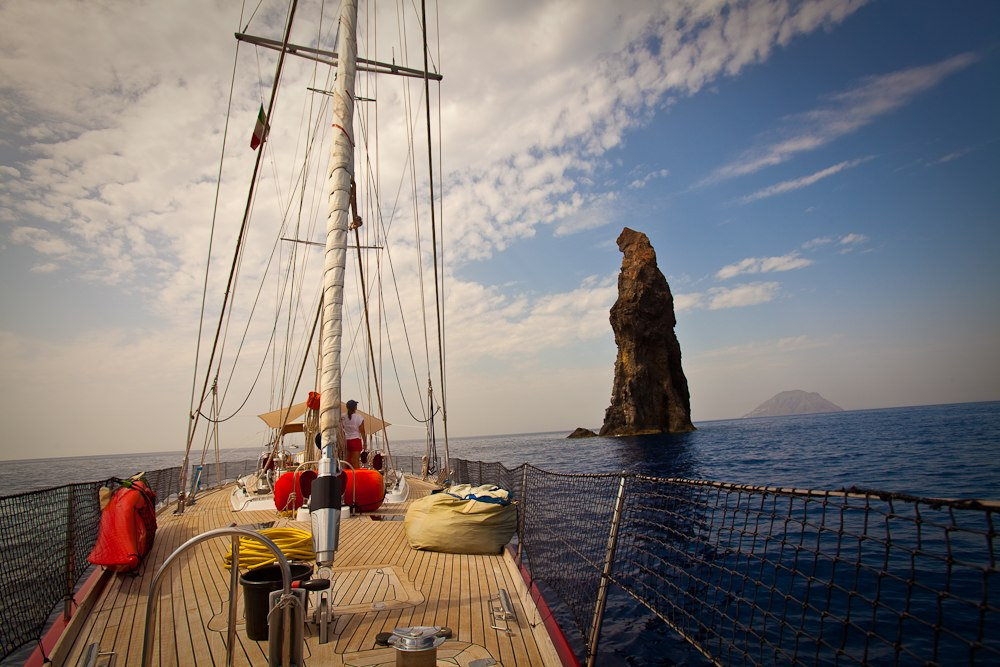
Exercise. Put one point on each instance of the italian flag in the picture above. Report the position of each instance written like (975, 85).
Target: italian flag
(259, 130)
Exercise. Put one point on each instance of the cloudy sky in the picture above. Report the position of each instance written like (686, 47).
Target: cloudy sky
(818, 178)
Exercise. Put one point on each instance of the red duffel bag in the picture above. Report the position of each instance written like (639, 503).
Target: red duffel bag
(128, 526)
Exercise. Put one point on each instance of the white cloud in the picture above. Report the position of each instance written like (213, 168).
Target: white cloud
(632, 62)
(805, 181)
(122, 131)
(642, 182)
(596, 212)
(737, 296)
(125, 145)
(954, 155)
(503, 325)
(787, 262)
(847, 112)
(782, 345)
(688, 301)
(853, 239)
(818, 242)
(41, 241)
(750, 294)
(851, 242)
(9, 171)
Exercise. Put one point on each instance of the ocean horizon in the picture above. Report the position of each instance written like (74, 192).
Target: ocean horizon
(950, 450)
(179, 454)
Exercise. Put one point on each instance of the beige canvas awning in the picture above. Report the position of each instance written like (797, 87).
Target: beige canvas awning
(282, 416)
(288, 415)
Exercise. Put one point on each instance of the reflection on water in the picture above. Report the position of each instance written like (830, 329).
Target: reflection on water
(666, 455)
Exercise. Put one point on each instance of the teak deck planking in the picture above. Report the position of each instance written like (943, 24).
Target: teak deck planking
(440, 589)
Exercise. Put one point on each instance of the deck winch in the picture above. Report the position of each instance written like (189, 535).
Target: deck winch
(415, 646)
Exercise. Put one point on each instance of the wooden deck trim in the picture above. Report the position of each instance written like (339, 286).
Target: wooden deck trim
(60, 637)
(555, 633)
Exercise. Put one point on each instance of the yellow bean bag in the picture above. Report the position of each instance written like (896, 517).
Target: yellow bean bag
(462, 520)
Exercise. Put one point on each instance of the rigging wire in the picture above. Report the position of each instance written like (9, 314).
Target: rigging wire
(240, 238)
(250, 20)
(211, 232)
(443, 336)
(246, 330)
(314, 134)
(407, 169)
(431, 442)
(307, 153)
(409, 109)
(430, 168)
(385, 234)
(372, 202)
(271, 257)
(408, 105)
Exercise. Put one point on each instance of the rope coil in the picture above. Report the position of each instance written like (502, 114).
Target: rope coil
(295, 543)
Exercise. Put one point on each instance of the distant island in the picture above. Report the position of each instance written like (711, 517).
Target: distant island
(795, 402)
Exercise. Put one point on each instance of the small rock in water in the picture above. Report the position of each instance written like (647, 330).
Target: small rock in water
(582, 433)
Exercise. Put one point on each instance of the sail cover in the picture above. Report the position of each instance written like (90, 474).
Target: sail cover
(288, 415)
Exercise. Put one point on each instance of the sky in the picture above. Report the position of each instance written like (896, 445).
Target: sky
(818, 179)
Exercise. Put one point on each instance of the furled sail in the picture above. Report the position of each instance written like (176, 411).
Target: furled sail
(325, 501)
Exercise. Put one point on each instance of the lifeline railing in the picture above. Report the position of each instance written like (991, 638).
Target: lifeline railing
(759, 575)
(745, 574)
(46, 536)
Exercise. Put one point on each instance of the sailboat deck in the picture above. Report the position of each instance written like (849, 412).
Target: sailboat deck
(380, 583)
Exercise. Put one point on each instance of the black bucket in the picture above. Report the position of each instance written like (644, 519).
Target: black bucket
(257, 587)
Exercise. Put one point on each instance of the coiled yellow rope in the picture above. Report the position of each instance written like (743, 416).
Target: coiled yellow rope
(295, 543)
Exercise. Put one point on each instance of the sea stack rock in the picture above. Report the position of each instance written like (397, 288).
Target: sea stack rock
(650, 393)
(581, 432)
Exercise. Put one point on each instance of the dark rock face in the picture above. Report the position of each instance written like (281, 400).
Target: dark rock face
(795, 402)
(582, 433)
(650, 393)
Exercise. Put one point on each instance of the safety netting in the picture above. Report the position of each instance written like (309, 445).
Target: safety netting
(753, 575)
(211, 475)
(745, 574)
(47, 535)
(760, 575)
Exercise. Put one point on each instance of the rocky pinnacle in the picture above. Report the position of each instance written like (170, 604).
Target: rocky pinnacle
(650, 393)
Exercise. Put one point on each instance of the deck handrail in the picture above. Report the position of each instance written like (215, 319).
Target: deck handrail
(236, 533)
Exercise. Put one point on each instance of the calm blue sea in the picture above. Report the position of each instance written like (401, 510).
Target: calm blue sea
(941, 451)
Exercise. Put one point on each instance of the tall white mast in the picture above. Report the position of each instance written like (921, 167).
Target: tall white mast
(325, 509)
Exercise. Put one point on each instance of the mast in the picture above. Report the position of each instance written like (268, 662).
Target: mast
(325, 502)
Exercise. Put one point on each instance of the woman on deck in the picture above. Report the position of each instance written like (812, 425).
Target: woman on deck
(353, 425)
